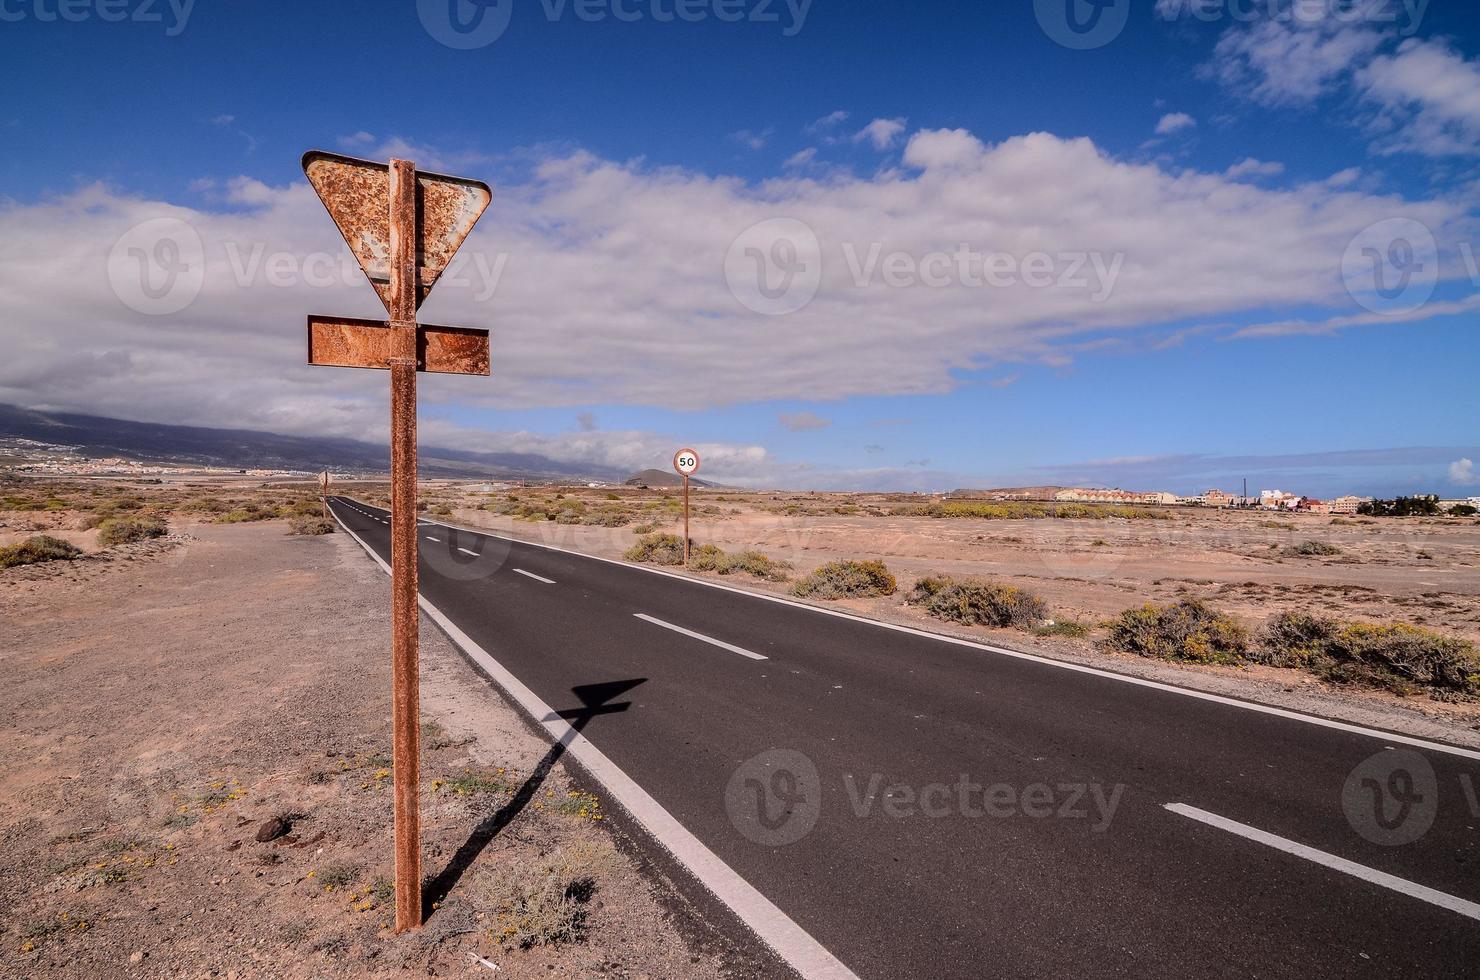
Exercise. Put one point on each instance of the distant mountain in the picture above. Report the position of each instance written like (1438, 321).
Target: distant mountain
(187, 444)
(663, 478)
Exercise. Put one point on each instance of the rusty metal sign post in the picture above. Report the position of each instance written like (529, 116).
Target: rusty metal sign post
(403, 227)
(686, 463)
(324, 494)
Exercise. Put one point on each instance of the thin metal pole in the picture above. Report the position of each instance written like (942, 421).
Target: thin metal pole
(686, 521)
(405, 617)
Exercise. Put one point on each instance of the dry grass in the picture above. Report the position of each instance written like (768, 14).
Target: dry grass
(546, 903)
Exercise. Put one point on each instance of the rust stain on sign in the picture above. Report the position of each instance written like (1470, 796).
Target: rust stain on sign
(357, 196)
(341, 341)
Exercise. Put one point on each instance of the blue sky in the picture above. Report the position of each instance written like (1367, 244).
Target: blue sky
(1230, 156)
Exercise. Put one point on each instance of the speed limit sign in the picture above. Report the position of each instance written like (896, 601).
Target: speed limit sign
(686, 462)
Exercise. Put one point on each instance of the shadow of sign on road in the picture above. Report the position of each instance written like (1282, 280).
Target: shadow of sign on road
(596, 700)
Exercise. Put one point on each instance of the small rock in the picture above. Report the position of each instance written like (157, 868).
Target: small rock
(137, 956)
(272, 830)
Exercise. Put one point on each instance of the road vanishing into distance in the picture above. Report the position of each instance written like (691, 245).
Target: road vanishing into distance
(904, 805)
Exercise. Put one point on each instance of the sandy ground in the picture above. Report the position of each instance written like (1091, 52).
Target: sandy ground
(163, 701)
(1422, 572)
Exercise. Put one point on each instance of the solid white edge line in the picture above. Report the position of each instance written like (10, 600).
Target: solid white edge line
(1187, 692)
(537, 578)
(774, 927)
(700, 636)
(1403, 885)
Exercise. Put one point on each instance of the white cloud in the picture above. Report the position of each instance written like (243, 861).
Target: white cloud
(1462, 473)
(1174, 122)
(1428, 98)
(612, 286)
(1250, 167)
(827, 122)
(1417, 96)
(1291, 61)
(803, 421)
(801, 158)
(941, 149)
(881, 133)
(1428, 311)
(752, 140)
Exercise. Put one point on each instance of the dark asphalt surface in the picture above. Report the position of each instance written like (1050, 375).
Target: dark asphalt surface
(1029, 887)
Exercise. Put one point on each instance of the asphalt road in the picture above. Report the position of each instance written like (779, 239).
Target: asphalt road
(974, 814)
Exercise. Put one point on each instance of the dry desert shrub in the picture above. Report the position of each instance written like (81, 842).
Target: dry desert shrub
(1188, 630)
(41, 548)
(978, 603)
(847, 580)
(1312, 549)
(710, 558)
(657, 549)
(546, 903)
(127, 530)
(1400, 658)
(667, 549)
(308, 525)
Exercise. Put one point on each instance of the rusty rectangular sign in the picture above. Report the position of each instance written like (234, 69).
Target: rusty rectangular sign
(342, 341)
(355, 193)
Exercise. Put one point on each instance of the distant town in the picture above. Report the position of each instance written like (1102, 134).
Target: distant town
(53, 459)
(1277, 500)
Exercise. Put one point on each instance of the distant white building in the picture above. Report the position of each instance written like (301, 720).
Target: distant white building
(1348, 504)
(1216, 498)
(1279, 500)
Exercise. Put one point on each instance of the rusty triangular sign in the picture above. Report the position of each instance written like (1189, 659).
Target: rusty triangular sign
(357, 195)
